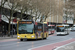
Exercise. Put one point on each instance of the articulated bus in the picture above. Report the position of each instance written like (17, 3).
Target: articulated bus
(51, 29)
(62, 30)
(31, 30)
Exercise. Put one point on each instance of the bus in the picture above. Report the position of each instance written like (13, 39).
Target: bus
(51, 29)
(62, 30)
(31, 30)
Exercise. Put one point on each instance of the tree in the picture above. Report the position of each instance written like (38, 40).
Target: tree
(70, 4)
(12, 8)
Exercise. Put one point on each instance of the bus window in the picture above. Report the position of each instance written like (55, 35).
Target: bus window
(60, 29)
(26, 28)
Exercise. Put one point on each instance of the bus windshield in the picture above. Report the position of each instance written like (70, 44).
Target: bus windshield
(26, 28)
(60, 29)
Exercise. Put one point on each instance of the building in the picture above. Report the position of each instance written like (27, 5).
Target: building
(56, 13)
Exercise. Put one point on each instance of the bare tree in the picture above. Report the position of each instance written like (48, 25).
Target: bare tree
(70, 4)
(12, 8)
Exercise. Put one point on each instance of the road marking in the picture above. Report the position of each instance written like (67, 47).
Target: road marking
(32, 44)
(18, 42)
(47, 44)
(63, 45)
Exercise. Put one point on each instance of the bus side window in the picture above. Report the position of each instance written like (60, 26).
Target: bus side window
(39, 28)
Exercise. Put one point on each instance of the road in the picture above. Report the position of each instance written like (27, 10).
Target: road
(15, 44)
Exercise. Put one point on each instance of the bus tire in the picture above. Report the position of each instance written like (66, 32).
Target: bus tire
(64, 34)
(21, 39)
(57, 34)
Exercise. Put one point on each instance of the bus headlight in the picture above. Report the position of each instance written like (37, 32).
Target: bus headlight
(32, 36)
(18, 36)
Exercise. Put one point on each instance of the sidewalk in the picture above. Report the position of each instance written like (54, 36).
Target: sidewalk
(6, 37)
(70, 46)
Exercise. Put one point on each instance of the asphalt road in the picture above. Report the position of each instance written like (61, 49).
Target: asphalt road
(15, 44)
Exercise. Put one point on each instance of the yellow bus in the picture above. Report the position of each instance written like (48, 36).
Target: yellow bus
(31, 30)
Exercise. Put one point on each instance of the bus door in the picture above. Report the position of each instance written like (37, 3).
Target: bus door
(67, 30)
(39, 31)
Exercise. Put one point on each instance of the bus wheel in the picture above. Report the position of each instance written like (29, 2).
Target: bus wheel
(21, 39)
(57, 34)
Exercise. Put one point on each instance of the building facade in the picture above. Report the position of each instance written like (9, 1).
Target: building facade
(57, 12)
